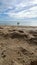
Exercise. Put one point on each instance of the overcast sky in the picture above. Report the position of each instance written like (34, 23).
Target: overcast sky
(18, 10)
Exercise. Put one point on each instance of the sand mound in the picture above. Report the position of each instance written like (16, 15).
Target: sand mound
(14, 34)
(34, 39)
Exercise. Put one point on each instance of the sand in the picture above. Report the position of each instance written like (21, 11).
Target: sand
(18, 45)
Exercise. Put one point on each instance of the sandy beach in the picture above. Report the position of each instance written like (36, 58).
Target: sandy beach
(18, 45)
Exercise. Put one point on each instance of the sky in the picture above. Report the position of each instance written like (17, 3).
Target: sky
(24, 11)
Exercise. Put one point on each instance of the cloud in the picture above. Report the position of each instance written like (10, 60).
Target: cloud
(34, 1)
(19, 9)
(28, 13)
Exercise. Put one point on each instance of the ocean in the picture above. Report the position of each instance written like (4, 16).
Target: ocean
(21, 23)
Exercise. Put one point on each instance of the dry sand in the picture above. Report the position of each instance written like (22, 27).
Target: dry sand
(18, 45)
